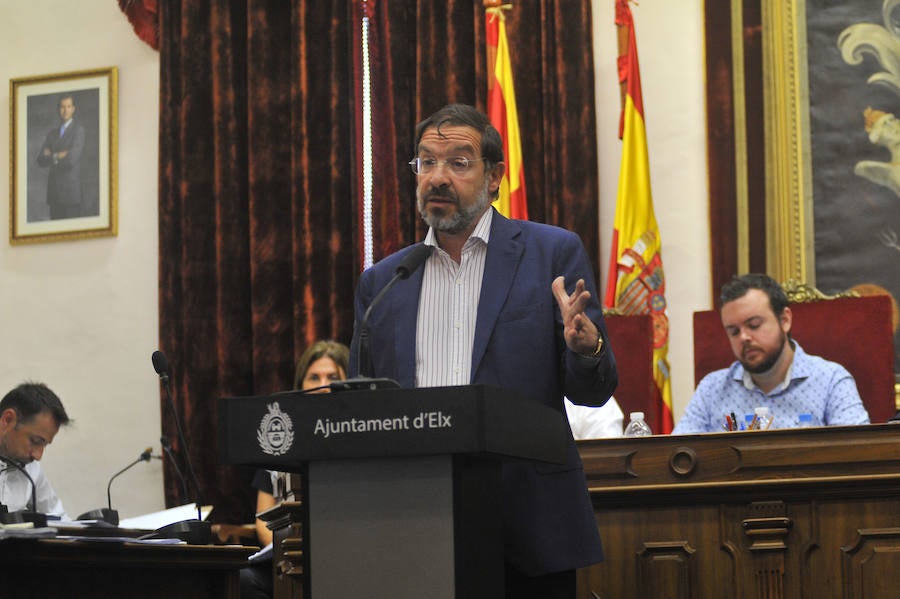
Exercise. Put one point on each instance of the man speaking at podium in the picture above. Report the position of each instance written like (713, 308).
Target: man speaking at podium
(30, 417)
(501, 302)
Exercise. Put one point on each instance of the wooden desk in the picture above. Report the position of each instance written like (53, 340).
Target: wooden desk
(763, 515)
(50, 568)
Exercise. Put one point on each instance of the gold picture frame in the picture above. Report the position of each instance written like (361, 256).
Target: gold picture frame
(790, 247)
(832, 171)
(63, 181)
(813, 128)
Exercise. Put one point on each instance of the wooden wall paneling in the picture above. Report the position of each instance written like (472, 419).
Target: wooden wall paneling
(749, 515)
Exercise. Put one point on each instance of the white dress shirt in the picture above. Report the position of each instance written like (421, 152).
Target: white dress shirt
(15, 490)
(448, 308)
(590, 422)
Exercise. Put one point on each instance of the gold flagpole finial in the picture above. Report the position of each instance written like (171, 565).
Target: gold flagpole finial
(495, 8)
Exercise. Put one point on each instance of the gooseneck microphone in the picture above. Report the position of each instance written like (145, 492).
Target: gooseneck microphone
(193, 531)
(39, 520)
(17, 465)
(107, 514)
(144, 457)
(410, 264)
(167, 449)
(161, 366)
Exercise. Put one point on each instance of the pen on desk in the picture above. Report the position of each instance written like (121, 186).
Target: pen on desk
(728, 424)
(754, 423)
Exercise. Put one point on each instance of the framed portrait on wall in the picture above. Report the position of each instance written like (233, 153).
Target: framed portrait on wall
(832, 73)
(63, 149)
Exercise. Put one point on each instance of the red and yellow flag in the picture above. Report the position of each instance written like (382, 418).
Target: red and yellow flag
(636, 283)
(501, 109)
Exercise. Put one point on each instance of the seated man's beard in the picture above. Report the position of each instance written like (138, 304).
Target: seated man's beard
(768, 363)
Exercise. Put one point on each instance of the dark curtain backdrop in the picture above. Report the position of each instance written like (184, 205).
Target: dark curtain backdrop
(720, 130)
(259, 235)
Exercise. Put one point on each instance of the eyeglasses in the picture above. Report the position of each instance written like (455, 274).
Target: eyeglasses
(458, 165)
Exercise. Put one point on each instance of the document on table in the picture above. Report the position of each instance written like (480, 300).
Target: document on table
(156, 520)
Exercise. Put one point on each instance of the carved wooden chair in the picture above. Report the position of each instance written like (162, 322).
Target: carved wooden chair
(856, 332)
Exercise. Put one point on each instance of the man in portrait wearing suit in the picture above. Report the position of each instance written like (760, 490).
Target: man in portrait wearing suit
(501, 302)
(61, 153)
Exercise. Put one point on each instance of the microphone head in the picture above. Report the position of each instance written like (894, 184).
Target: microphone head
(160, 364)
(413, 260)
(145, 455)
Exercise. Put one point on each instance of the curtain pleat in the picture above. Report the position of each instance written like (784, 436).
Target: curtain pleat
(256, 210)
(551, 47)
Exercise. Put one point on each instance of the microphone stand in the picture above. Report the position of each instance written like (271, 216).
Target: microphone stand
(195, 532)
(37, 519)
(410, 263)
(107, 514)
(167, 448)
(362, 350)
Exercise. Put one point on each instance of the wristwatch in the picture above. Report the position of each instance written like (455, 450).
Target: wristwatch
(597, 350)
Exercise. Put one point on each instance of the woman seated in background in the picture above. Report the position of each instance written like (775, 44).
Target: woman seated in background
(322, 363)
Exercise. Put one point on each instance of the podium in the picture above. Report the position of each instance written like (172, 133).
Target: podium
(402, 486)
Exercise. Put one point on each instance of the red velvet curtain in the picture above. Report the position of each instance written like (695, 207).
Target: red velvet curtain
(256, 208)
(258, 188)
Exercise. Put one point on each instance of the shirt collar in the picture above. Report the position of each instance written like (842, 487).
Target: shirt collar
(481, 232)
(798, 360)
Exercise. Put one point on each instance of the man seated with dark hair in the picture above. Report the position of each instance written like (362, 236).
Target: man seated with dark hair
(771, 370)
(30, 417)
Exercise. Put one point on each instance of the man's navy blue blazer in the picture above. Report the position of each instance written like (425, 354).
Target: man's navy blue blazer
(548, 518)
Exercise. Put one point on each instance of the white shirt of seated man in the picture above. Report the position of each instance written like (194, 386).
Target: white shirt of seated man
(589, 422)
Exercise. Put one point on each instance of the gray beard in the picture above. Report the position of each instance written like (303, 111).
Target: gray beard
(459, 220)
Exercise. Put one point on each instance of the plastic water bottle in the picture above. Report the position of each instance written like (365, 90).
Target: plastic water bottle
(805, 420)
(637, 427)
(763, 419)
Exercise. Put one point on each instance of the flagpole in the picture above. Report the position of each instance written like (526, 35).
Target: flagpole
(502, 111)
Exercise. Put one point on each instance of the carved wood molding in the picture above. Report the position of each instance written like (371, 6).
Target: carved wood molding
(869, 564)
(767, 527)
(767, 534)
(291, 562)
(661, 562)
(798, 292)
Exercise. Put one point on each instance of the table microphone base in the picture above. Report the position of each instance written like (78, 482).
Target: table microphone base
(38, 519)
(192, 532)
(105, 514)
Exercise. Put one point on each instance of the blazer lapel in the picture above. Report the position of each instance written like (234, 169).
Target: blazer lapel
(502, 262)
(405, 306)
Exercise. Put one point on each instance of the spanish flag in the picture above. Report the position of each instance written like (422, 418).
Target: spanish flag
(636, 283)
(501, 109)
